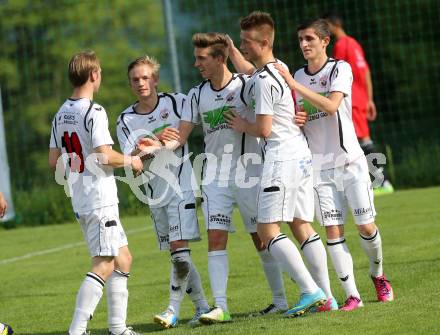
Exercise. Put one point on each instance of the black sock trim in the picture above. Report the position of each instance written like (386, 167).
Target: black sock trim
(121, 273)
(180, 251)
(335, 243)
(275, 239)
(370, 238)
(96, 277)
(311, 239)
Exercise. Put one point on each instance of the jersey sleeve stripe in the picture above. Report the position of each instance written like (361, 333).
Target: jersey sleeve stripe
(341, 135)
(243, 86)
(273, 76)
(174, 102)
(87, 115)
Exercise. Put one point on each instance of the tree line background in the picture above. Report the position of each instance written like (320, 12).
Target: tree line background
(37, 38)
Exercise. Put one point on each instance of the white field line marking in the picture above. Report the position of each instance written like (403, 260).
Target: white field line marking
(60, 248)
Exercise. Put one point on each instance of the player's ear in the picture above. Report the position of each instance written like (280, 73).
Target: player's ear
(326, 41)
(93, 75)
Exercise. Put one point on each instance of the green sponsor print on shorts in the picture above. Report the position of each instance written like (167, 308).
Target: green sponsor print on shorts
(308, 107)
(216, 116)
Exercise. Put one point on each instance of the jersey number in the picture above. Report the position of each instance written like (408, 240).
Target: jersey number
(73, 146)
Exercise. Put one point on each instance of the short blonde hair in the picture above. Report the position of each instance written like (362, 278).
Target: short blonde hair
(145, 60)
(262, 23)
(81, 65)
(216, 42)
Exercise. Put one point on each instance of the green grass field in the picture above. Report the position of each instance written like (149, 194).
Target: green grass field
(41, 270)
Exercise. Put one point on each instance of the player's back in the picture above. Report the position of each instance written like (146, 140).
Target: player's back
(78, 128)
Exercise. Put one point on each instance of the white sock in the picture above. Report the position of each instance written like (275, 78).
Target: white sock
(218, 268)
(286, 253)
(274, 278)
(372, 246)
(195, 289)
(87, 299)
(180, 269)
(343, 264)
(316, 256)
(117, 301)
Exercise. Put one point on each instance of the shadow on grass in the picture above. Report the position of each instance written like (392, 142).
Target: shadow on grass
(141, 327)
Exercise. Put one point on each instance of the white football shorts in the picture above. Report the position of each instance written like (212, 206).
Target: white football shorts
(103, 231)
(218, 205)
(345, 185)
(176, 221)
(286, 191)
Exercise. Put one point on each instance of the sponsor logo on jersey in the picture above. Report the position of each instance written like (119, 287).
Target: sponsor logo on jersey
(151, 119)
(68, 119)
(164, 114)
(159, 129)
(312, 81)
(334, 214)
(362, 211)
(174, 228)
(215, 117)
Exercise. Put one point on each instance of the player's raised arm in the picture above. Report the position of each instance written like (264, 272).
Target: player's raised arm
(329, 104)
(240, 63)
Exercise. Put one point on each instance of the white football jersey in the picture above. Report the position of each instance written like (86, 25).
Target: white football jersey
(167, 173)
(332, 138)
(269, 94)
(206, 105)
(78, 128)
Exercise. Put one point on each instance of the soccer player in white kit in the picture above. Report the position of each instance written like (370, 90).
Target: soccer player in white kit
(81, 137)
(323, 87)
(226, 172)
(285, 190)
(310, 242)
(174, 215)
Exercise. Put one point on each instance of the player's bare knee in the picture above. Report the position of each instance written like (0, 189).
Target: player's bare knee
(174, 245)
(217, 239)
(367, 229)
(103, 266)
(334, 232)
(258, 243)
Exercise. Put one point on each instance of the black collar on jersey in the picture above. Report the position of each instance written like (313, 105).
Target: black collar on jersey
(306, 67)
(72, 99)
(221, 89)
(157, 104)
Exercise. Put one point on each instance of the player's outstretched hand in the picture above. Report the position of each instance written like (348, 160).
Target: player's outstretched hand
(371, 111)
(144, 144)
(301, 117)
(137, 165)
(286, 75)
(3, 205)
(169, 134)
(235, 121)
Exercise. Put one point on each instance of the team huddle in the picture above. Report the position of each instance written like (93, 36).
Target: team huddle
(281, 148)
